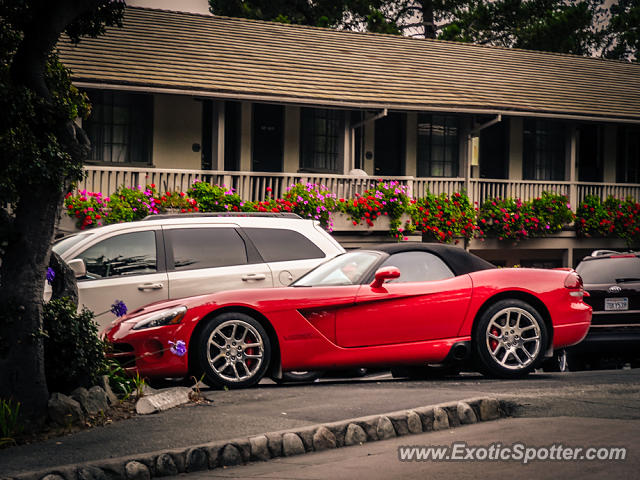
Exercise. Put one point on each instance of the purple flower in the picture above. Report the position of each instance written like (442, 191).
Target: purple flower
(119, 309)
(178, 348)
(51, 274)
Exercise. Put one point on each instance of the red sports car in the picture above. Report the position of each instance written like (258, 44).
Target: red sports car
(393, 305)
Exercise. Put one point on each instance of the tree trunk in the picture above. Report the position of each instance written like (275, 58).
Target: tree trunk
(22, 277)
(428, 19)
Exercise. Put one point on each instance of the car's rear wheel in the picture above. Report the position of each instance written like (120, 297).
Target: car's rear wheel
(510, 339)
(234, 351)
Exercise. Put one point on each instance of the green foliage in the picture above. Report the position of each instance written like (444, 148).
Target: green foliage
(10, 424)
(385, 198)
(515, 220)
(350, 14)
(128, 204)
(120, 382)
(88, 208)
(310, 201)
(213, 198)
(74, 355)
(611, 218)
(548, 25)
(623, 31)
(442, 218)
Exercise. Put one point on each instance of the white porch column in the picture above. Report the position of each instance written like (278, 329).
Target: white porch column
(246, 114)
(291, 163)
(571, 168)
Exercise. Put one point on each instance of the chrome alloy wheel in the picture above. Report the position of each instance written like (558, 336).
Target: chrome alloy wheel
(235, 351)
(513, 338)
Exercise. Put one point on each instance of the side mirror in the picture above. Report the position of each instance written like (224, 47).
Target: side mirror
(383, 274)
(78, 267)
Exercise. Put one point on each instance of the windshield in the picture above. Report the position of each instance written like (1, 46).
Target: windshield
(609, 270)
(345, 269)
(67, 242)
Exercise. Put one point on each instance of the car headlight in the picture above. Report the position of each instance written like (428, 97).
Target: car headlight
(172, 316)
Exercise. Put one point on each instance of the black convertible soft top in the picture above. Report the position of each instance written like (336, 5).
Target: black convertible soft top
(459, 260)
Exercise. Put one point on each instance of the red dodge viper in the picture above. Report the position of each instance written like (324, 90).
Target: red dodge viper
(393, 305)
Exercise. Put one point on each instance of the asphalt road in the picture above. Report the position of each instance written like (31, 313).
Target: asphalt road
(380, 460)
(600, 394)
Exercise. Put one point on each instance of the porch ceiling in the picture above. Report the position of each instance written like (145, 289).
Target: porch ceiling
(194, 54)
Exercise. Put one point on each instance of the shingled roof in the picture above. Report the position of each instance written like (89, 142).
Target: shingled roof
(163, 51)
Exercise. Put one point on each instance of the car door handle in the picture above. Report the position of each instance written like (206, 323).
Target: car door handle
(150, 286)
(254, 276)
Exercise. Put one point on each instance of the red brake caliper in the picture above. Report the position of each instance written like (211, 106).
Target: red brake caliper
(493, 342)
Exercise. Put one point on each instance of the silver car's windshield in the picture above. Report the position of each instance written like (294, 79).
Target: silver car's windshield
(345, 269)
(67, 242)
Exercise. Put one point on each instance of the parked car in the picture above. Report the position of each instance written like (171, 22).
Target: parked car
(394, 305)
(168, 257)
(612, 280)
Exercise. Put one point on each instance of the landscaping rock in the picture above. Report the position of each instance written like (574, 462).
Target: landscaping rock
(399, 421)
(274, 442)
(81, 395)
(163, 400)
(489, 409)
(355, 435)
(213, 452)
(165, 466)
(91, 473)
(466, 414)
(103, 381)
(291, 445)
(64, 410)
(426, 416)
(324, 439)
(384, 428)
(440, 419)
(231, 456)
(414, 423)
(259, 448)
(97, 401)
(137, 471)
(196, 460)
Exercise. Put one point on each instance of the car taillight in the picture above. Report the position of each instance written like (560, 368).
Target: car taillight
(574, 282)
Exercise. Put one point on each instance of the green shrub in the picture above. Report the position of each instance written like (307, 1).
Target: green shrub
(611, 218)
(212, 198)
(10, 424)
(514, 219)
(442, 218)
(73, 353)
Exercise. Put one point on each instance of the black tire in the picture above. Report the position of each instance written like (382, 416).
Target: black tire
(563, 361)
(233, 357)
(299, 377)
(511, 352)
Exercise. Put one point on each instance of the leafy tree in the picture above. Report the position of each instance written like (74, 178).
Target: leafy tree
(623, 31)
(42, 154)
(549, 25)
(350, 14)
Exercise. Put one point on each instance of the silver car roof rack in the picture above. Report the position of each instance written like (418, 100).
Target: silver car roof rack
(162, 216)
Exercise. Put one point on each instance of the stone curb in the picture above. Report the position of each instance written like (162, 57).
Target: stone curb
(280, 444)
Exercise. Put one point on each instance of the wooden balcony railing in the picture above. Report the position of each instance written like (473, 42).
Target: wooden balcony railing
(251, 186)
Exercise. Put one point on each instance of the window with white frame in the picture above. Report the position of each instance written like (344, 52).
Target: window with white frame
(120, 127)
(321, 139)
(628, 165)
(544, 149)
(438, 139)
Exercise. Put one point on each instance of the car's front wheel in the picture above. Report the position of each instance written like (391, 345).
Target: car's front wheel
(233, 351)
(510, 339)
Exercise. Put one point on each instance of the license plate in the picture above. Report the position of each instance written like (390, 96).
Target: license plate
(616, 303)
